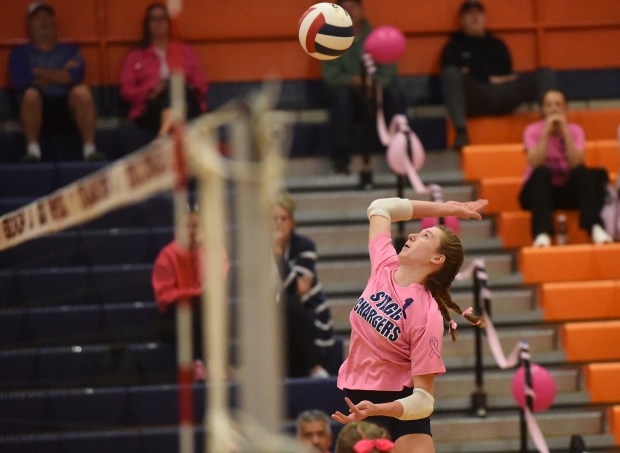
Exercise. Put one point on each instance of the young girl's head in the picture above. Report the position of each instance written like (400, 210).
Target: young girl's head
(363, 436)
(439, 282)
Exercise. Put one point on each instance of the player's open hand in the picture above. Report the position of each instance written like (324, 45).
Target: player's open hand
(468, 209)
(357, 412)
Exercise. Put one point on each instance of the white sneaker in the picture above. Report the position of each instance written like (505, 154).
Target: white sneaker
(319, 372)
(600, 236)
(542, 240)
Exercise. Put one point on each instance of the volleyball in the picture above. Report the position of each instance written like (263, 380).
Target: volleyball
(325, 31)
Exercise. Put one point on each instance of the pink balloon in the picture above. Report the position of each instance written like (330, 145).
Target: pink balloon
(385, 44)
(542, 383)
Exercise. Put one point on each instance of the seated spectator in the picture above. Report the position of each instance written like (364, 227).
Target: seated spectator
(556, 177)
(49, 79)
(314, 428)
(296, 258)
(477, 76)
(363, 437)
(145, 77)
(168, 290)
(349, 92)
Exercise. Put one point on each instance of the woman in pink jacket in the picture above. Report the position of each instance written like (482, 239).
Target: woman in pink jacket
(145, 77)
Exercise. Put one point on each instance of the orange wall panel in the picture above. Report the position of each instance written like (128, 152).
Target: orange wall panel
(580, 12)
(583, 49)
(523, 47)
(228, 61)
(124, 19)
(4, 67)
(422, 55)
(264, 32)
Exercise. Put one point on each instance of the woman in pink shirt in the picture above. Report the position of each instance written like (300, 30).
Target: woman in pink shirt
(397, 322)
(145, 77)
(556, 177)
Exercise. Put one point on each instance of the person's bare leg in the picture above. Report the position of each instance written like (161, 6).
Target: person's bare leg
(31, 118)
(415, 443)
(31, 115)
(82, 107)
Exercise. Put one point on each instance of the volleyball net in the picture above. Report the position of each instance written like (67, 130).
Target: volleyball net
(235, 192)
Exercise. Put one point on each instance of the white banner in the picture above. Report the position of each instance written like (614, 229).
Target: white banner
(121, 183)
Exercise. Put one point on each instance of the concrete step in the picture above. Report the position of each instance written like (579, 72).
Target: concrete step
(337, 275)
(553, 423)
(353, 288)
(315, 172)
(498, 383)
(460, 354)
(500, 433)
(353, 239)
(351, 205)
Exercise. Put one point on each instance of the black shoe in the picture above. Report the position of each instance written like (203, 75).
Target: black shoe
(460, 140)
(95, 157)
(577, 445)
(366, 182)
(341, 167)
(30, 159)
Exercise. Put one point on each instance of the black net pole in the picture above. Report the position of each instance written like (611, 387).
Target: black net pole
(479, 397)
(529, 401)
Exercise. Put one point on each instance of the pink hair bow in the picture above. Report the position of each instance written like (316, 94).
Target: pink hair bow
(367, 445)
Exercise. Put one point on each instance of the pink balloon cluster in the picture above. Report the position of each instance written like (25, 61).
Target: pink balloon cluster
(386, 44)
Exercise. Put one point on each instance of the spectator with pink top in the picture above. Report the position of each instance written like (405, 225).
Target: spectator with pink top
(145, 77)
(556, 177)
(397, 323)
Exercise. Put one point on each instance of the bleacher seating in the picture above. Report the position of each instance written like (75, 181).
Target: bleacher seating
(80, 365)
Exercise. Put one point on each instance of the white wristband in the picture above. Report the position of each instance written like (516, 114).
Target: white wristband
(420, 404)
(394, 209)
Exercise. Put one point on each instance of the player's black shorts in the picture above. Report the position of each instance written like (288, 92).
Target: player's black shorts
(397, 428)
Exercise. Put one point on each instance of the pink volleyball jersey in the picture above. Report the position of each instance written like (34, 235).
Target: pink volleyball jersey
(396, 332)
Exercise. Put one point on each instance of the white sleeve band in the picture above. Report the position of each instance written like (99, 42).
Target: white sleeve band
(418, 405)
(394, 209)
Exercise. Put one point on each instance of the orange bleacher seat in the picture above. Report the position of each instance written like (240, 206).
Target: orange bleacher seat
(482, 161)
(599, 124)
(570, 263)
(615, 422)
(510, 159)
(502, 193)
(591, 341)
(580, 300)
(486, 130)
(603, 153)
(602, 381)
(514, 227)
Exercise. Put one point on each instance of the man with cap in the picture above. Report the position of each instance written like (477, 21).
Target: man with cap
(48, 77)
(477, 75)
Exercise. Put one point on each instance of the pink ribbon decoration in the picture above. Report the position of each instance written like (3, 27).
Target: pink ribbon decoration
(394, 139)
(503, 361)
(368, 445)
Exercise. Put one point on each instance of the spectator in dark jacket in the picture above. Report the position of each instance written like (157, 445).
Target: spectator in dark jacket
(477, 75)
